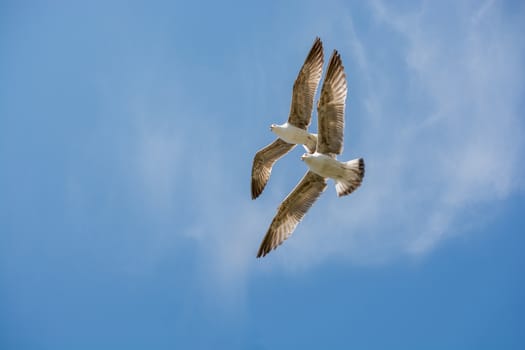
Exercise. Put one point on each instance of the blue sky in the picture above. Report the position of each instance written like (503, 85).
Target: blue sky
(127, 132)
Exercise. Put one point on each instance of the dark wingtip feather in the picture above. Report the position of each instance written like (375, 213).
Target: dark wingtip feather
(256, 191)
(315, 51)
(255, 187)
(263, 250)
(335, 64)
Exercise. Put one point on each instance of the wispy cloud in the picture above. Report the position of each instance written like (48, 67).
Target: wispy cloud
(452, 142)
(436, 118)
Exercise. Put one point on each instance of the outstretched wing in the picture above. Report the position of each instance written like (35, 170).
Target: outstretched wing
(292, 210)
(331, 108)
(305, 87)
(263, 163)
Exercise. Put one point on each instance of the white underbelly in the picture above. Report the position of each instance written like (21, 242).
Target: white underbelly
(327, 167)
(292, 134)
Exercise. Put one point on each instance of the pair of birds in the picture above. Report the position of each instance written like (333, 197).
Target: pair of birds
(322, 148)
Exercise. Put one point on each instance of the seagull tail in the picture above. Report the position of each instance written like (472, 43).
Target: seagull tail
(354, 171)
(311, 143)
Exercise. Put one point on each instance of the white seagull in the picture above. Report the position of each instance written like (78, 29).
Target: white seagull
(322, 164)
(294, 131)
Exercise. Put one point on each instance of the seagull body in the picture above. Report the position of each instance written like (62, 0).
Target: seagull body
(295, 130)
(347, 175)
(322, 163)
(294, 135)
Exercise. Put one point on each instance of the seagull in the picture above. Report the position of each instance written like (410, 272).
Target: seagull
(294, 131)
(322, 163)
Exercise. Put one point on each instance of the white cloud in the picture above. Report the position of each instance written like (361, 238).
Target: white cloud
(452, 141)
(442, 137)
(439, 129)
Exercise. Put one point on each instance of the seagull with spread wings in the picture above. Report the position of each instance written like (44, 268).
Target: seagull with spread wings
(294, 131)
(322, 164)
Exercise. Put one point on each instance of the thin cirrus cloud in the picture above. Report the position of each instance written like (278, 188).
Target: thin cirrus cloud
(436, 117)
(449, 144)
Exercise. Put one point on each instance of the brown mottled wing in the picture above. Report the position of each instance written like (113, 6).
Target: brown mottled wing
(305, 87)
(263, 163)
(292, 210)
(331, 108)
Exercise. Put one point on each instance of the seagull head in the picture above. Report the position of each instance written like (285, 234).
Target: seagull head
(305, 155)
(273, 126)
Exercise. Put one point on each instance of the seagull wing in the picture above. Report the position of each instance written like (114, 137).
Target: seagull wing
(292, 210)
(305, 87)
(331, 108)
(263, 163)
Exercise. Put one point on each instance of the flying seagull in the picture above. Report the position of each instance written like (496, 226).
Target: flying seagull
(294, 131)
(322, 164)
